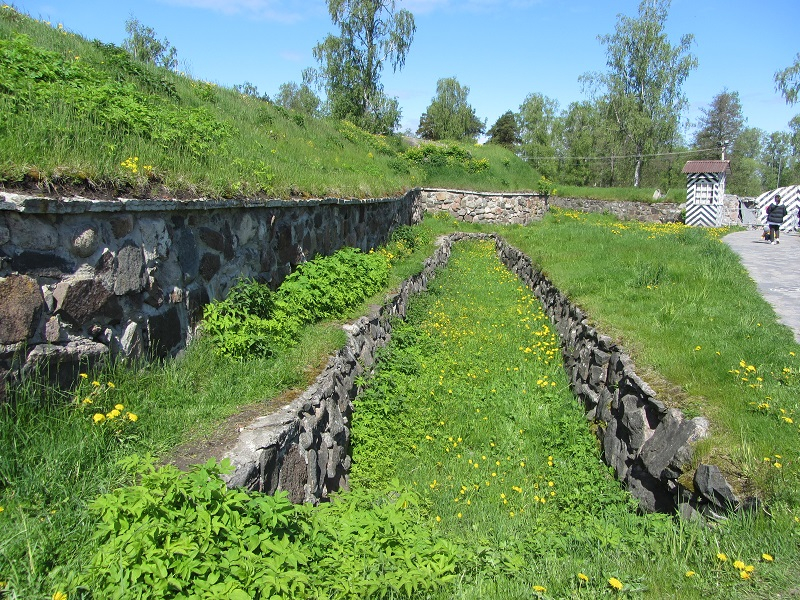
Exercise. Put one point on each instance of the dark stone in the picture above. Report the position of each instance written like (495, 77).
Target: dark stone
(165, 332)
(653, 495)
(121, 225)
(293, 475)
(41, 264)
(105, 264)
(196, 299)
(712, 485)
(212, 238)
(268, 475)
(209, 265)
(129, 274)
(669, 448)
(21, 303)
(61, 364)
(83, 300)
(188, 257)
(154, 295)
(227, 250)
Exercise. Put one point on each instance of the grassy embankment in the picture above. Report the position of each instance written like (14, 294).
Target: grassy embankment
(84, 116)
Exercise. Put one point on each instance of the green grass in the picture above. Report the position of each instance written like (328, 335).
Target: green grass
(677, 195)
(471, 409)
(700, 333)
(75, 113)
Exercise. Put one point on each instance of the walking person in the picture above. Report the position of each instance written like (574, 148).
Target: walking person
(776, 212)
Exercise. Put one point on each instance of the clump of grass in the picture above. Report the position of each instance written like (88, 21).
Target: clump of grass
(646, 195)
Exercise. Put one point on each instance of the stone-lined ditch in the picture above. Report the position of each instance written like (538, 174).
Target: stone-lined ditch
(303, 448)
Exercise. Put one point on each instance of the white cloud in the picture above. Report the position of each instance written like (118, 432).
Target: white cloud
(283, 11)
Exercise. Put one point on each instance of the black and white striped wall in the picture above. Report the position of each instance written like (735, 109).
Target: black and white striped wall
(790, 198)
(705, 214)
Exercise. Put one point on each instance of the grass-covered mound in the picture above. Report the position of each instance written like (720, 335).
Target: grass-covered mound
(79, 115)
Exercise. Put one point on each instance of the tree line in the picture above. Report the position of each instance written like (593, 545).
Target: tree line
(629, 131)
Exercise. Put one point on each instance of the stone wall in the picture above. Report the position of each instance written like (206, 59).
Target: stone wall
(304, 447)
(82, 279)
(648, 444)
(659, 212)
(490, 208)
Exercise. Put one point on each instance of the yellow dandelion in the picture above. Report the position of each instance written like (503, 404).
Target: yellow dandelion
(459, 515)
(87, 400)
(615, 583)
(99, 417)
(96, 383)
(539, 589)
(690, 573)
(132, 417)
(438, 519)
(749, 568)
(84, 376)
(722, 556)
(744, 574)
(111, 384)
(59, 596)
(119, 407)
(583, 578)
(737, 564)
(767, 557)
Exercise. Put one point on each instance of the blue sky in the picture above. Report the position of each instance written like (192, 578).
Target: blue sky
(502, 50)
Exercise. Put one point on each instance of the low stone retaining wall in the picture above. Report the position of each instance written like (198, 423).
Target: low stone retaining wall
(490, 208)
(648, 444)
(658, 212)
(81, 279)
(304, 447)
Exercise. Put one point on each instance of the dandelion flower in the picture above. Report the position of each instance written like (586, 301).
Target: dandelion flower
(119, 407)
(539, 589)
(459, 515)
(722, 556)
(96, 383)
(84, 376)
(737, 564)
(615, 583)
(767, 557)
(59, 596)
(583, 578)
(438, 519)
(744, 574)
(99, 417)
(111, 384)
(132, 417)
(690, 573)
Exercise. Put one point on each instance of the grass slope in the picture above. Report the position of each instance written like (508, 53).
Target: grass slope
(79, 115)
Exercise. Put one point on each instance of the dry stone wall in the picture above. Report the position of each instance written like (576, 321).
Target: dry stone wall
(82, 279)
(657, 212)
(489, 208)
(304, 448)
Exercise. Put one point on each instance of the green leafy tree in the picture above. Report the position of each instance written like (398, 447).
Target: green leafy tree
(539, 130)
(643, 84)
(299, 98)
(505, 131)
(721, 123)
(787, 81)
(371, 34)
(747, 167)
(777, 159)
(143, 44)
(449, 116)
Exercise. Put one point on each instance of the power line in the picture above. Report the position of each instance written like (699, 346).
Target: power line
(622, 156)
